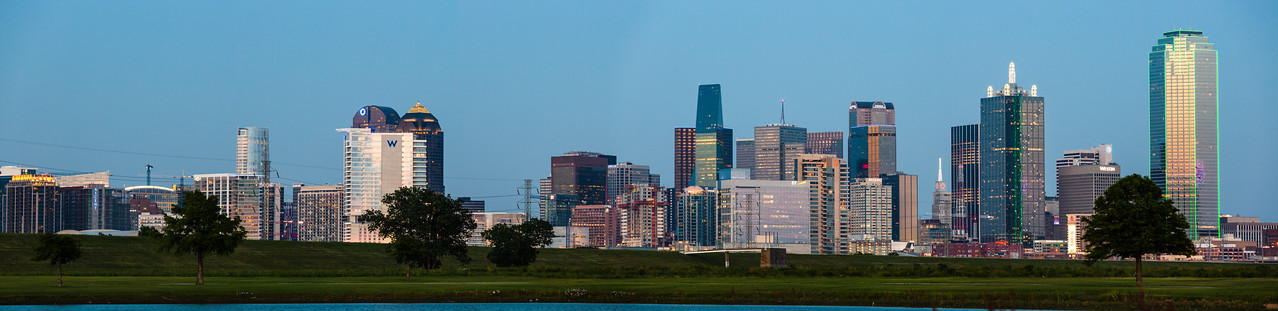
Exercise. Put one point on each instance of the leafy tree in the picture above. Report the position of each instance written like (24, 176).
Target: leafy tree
(57, 249)
(422, 226)
(1133, 219)
(516, 246)
(198, 227)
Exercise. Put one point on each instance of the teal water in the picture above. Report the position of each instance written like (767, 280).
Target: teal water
(452, 307)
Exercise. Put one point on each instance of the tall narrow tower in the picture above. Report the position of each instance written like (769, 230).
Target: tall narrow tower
(1183, 129)
(713, 141)
(1012, 164)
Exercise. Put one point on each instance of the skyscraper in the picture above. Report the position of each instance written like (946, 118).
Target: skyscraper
(643, 216)
(825, 143)
(237, 196)
(965, 166)
(376, 119)
(871, 139)
(1082, 176)
(428, 147)
(713, 141)
(252, 150)
(1012, 160)
(696, 217)
(685, 156)
(828, 196)
(31, 205)
(1183, 129)
(745, 154)
(870, 210)
(578, 176)
(625, 174)
(776, 146)
(319, 213)
(942, 204)
(905, 205)
(374, 164)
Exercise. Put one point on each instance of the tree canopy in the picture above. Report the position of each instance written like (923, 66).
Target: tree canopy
(423, 226)
(197, 226)
(58, 250)
(1132, 219)
(516, 246)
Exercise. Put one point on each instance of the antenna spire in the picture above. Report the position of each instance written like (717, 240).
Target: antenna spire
(938, 169)
(782, 111)
(1011, 73)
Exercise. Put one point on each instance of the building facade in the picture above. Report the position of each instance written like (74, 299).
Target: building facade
(31, 205)
(1183, 127)
(602, 221)
(625, 174)
(828, 197)
(696, 217)
(825, 143)
(252, 150)
(319, 213)
(905, 205)
(1012, 164)
(374, 164)
(942, 205)
(870, 210)
(713, 141)
(428, 147)
(581, 175)
(965, 166)
(642, 213)
(776, 146)
(871, 138)
(745, 154)
(685, 156)
(764, 213)
(237, 196)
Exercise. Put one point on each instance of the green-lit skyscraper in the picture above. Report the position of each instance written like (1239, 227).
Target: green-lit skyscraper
(713, 142)
(1012, 164)
(1183, 127)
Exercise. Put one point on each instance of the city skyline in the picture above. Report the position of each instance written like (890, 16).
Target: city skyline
(629, 113)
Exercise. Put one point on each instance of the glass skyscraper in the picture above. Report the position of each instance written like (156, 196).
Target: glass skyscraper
(1183, 127)
(252, 149)
(1012, 164)
(776, 146)
(871, 139)
(965, 166)
(713, 141)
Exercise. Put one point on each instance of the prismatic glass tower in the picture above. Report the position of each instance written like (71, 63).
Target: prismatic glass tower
(713, 141)
(1183, 127)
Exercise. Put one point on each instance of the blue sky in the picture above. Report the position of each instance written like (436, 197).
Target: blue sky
(514, 82)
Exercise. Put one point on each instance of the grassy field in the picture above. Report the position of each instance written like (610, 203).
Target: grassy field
(128, 270)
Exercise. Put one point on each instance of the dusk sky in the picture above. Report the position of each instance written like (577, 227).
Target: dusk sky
(89, 86)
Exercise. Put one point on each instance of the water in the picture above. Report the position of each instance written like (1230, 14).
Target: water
(452, 307)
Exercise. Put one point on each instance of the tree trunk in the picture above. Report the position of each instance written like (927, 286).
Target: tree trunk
(59, 274)
(199, 265)
(408, 272)
(1139, 282)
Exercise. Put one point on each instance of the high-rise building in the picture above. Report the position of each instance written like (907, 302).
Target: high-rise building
(1183, 128)
(237, 196)
(942, 202)
(603, 222)
(376, 119)
(1012, 164)
(31, 205)
(581, 174)
(871, 138)
(1084, 175)
(965, 166)
(696, 217)
(828, 197)
(745, 154)
(319, 213)
(824, 143)
(905, 205)
(472, 205)
(151, 203)
(625, 174)
(870, 210)
(374, 164)
(252, 150)
(484, 221)
(764, 213)
(428, 147)
(713, 141)
(685, 156)
(545, 188)
(559, 209)
(642, 213)
(776, 146)
(1246, 228)
(95, 207)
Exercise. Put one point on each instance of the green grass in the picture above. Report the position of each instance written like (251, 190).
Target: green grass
(129, 270)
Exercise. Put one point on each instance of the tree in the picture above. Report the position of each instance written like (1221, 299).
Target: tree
(423, 226)
(57, 249)
(516, 246)
(1132, 219)
(197, 226)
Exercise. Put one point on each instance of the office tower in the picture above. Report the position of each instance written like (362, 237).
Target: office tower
(1082, 176)
(544, 190)
(942, 200)
(905, 205)
(624, 174)
(252, 150)
(95, 207)
(472, 205)
(764, 213)
(319, 213)
(643, 211)
(376, 119)
(965, 166)
(825, 143)
(1183, 129)
(1053, 223)
(237, 196)
(151, 203)
(1246, 228)
(428, 147)
(272, 202)
(696, 217)
(745, 154)
(713, 141)
(583, 175)
(602, 221)
(288, 222)
(828, 196)
(870, 212)
(685, 156)
(31, 205)
(1012, 161)
(559, 208)
(776, 146)
(374, 164)
(871, 138)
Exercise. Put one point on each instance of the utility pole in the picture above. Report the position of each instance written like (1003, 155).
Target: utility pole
(527, 191)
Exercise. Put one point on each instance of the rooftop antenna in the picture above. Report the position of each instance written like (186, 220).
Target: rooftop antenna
(782, 111)
(938, 170)
(1011, 73)
(148, 174)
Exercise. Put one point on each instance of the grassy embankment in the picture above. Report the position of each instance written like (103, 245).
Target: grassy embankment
(128, 270)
